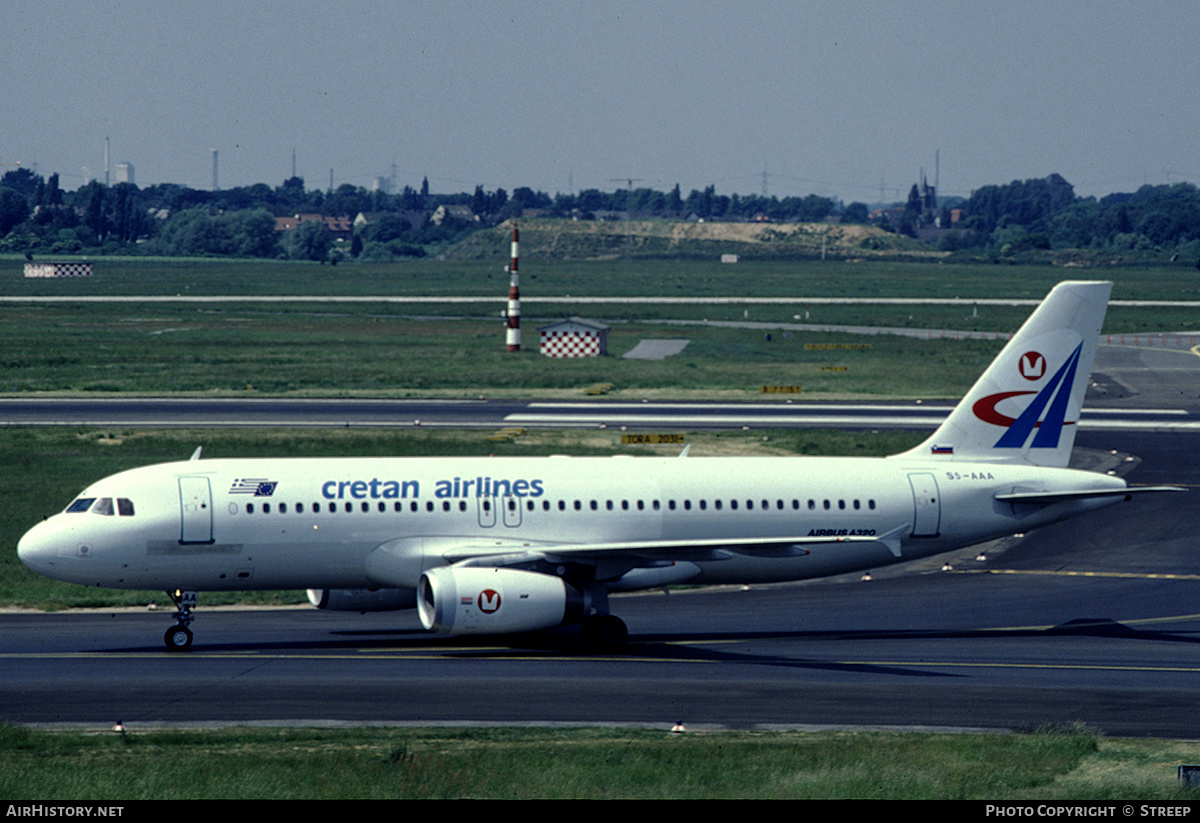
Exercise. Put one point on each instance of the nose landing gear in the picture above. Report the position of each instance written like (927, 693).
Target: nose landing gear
(179, 637)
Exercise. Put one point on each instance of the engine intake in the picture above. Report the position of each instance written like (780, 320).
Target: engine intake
(495, 601)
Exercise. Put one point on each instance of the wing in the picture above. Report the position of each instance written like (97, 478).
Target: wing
(637, 553)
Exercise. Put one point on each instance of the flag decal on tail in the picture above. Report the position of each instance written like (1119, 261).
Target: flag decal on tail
(1056, 394)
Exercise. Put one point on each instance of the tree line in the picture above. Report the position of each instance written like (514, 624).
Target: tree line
(37, 216)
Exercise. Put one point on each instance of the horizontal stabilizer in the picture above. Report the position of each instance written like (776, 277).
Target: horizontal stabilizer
(1046, 498)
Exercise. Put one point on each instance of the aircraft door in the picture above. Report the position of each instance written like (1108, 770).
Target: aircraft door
(927, 506)
(195, 505)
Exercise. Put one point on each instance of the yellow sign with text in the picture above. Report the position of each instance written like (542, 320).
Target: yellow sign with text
(652, 439)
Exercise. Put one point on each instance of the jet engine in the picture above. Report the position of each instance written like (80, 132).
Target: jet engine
(477, 600)
(362, 600)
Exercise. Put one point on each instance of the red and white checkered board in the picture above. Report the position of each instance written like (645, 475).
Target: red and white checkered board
(570, 344)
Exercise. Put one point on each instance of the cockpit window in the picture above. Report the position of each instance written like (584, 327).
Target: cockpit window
(103, 506)
(124, 507)
(82, 504)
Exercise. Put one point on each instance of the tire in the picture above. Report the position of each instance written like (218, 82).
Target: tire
(178, 638)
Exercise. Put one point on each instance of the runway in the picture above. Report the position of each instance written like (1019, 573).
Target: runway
(1134, 389)
(1097, 625)
(1093, 621)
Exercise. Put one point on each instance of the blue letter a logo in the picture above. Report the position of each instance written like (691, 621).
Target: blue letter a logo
(1049, 430)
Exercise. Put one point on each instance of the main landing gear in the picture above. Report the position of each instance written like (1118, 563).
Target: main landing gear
(179, 637)
(604, 633)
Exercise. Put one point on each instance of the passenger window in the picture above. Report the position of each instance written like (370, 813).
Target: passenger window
(249, 508)
(283, 508)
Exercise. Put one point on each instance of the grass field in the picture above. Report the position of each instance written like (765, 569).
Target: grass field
(672, 278)
(516, 764)
(390, 349)
(378, 349)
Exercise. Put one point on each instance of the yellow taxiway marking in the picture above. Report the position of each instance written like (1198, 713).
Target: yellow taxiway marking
(1064, 573)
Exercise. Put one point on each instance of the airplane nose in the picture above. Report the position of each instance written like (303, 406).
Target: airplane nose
(37, 549)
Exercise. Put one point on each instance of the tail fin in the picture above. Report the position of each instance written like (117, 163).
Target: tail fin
(1026, 405)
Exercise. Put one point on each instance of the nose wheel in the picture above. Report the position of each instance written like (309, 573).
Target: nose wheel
(179, 637)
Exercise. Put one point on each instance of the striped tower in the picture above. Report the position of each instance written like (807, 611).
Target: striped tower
(513, 336)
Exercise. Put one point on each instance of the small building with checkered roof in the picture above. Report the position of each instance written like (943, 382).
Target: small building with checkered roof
(574, 337)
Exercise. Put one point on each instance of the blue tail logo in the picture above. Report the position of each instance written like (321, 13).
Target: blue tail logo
(1056, 394)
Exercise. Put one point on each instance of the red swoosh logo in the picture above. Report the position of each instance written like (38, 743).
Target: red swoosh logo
(985, 408)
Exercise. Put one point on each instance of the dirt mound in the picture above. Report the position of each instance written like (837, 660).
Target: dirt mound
(600, 239)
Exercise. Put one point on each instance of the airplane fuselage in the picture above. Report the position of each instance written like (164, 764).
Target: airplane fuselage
(354, 523)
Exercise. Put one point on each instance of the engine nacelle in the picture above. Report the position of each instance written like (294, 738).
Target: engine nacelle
(478, 600)
(362, 600)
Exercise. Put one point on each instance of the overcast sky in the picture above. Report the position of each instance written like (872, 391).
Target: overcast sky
(830, 97)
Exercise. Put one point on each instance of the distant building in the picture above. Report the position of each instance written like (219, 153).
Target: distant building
(575, 337)
(72, 269)
(460, 213)
(342, 228)
(125, 173)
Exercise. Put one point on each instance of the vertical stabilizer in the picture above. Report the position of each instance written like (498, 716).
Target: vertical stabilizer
(1026, 405)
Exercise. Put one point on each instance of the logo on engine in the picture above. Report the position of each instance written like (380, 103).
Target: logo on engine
(488, 601)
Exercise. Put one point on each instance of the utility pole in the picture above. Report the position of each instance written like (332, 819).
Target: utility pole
(629, 181)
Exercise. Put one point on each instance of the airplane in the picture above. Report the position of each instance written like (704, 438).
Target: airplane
(490, 546)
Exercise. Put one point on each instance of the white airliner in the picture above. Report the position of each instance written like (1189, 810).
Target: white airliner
(483, 545)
